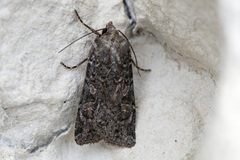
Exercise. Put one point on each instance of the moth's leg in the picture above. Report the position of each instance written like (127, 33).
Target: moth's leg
(146, 70)
(75, 65)
(93, 30)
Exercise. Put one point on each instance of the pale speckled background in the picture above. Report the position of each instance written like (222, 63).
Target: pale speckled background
(181, 41)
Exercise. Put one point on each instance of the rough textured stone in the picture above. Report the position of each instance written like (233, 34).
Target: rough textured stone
(39, 98)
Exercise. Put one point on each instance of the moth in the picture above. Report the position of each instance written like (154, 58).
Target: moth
(107, 106)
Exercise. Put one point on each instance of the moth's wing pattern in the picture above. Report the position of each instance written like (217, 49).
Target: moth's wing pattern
(115, 119)
(107, 106)
(84, 126)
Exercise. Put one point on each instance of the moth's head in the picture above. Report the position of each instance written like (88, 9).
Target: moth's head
(109, 27)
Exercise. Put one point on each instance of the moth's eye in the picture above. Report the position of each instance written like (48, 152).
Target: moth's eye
(104, 30)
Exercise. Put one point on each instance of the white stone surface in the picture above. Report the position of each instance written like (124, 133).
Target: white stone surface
(223, 140)
(190, 29)
(39, 97)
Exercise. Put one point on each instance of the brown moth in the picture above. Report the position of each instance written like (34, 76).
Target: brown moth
(107, 107)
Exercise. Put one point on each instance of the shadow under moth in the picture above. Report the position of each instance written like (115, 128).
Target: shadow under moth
(107, 107)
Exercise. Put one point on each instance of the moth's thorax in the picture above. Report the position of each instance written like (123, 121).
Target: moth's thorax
(112, 47)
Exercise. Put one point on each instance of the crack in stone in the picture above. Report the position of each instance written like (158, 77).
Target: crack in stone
(49, 140)
(129, 12)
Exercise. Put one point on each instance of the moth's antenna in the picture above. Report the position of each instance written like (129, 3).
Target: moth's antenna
(93, 30)
(78, 39)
